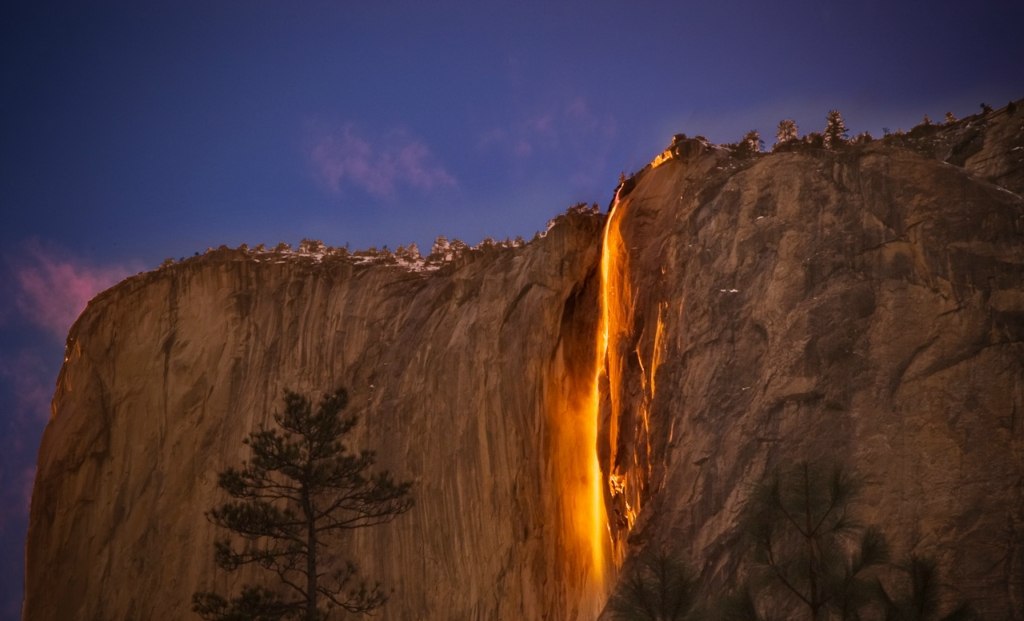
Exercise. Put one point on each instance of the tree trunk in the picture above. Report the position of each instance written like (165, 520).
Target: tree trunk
(311, 611)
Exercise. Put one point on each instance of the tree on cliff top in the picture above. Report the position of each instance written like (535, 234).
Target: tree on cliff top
(752, 142)
(301, 488)
(785, 132)
(835, 130)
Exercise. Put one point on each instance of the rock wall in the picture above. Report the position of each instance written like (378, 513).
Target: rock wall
(865, 305)
(450, 372)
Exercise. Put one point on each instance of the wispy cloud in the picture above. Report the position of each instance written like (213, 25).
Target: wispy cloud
(568, 139)
(345, 159)
(52, 288)
(45, 287)
(571, 125)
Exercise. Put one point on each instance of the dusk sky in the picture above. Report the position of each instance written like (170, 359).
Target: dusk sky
(134, 132)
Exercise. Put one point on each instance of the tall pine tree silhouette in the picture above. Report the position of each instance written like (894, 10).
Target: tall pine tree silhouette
(812, 554)
(300, 489)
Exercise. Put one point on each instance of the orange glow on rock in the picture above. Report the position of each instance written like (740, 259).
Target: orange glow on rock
(615, 300)
(578, 504)
(598, 499)
(627, 363)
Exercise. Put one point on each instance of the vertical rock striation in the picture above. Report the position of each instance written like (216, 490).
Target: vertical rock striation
(450, 373)
(864, 305)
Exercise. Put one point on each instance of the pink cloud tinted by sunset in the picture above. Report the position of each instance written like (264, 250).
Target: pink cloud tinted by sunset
(343, 159)
(53, 289)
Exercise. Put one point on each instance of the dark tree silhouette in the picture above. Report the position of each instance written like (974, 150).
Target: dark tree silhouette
(301, 488)
(659, 588)
(751, 144)
(742, 605)
(752, 141)
(921, 600)
(785, 132)
(835, 130)
(812, 554)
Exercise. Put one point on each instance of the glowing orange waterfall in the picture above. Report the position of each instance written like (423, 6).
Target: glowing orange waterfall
(614, 301)
(587, 544)
(576, 504)
(599, 498)
(594, 528)
(630, 348)
(579, 506)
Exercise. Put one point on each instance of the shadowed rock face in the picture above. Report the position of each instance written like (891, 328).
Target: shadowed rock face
(865, 305)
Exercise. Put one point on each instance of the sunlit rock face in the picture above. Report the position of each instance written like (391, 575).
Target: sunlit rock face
(863, 306)
(451, 373)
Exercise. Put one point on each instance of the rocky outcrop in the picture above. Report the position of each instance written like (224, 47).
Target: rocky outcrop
(989, 146)
(864, 305)
(449, 371)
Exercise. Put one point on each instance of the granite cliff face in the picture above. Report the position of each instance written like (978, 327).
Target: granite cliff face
(449, 371)
(629, 378)
(864, 306)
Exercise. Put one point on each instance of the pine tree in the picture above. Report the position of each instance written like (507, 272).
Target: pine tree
(835, 130)
(299, 491)
(810, 551)
(659, 588)
(752, 142)
(409, 254)
(458, 247)
(921, 600)
(862, 138)
(950, 118)
(785, 132)
(441, 249)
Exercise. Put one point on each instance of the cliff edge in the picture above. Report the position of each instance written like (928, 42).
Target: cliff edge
(732, 313)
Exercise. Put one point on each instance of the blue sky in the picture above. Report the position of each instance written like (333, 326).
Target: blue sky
(133, 132)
